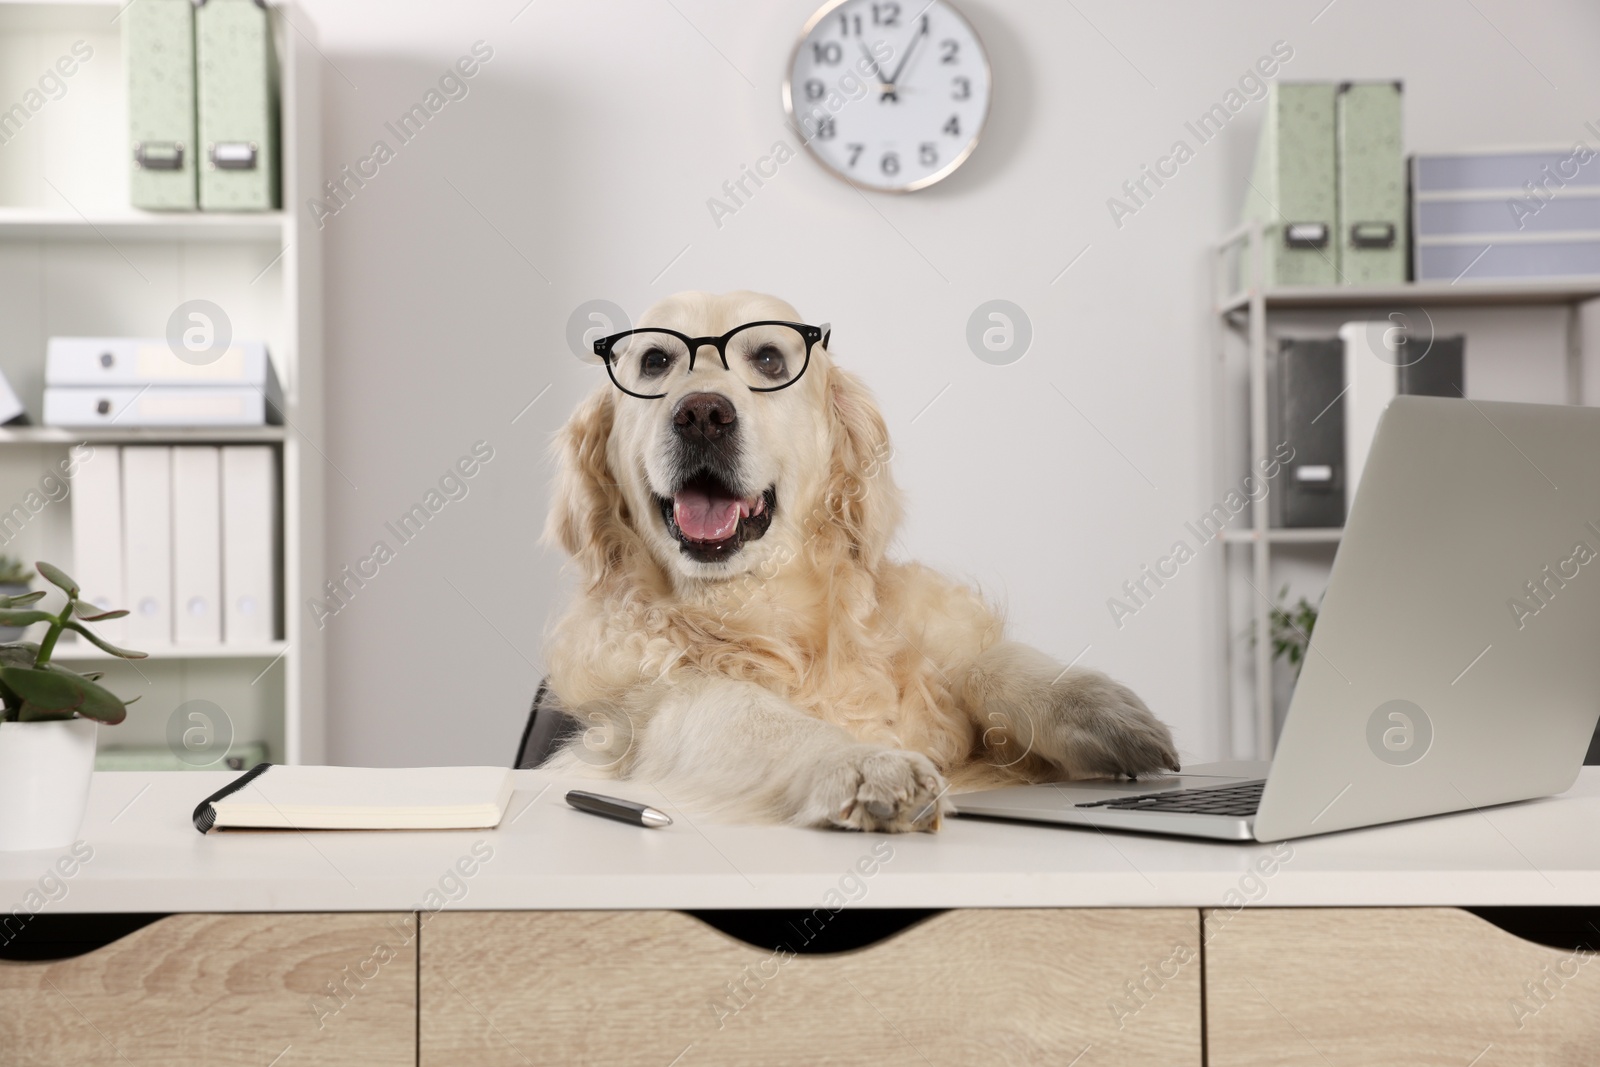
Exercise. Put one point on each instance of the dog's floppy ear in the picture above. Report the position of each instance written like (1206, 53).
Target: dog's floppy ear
(587, 512)
(862, 501)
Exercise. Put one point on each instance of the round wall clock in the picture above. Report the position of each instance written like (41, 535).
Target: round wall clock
(888, 95)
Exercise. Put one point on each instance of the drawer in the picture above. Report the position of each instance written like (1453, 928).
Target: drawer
(221, 990)
(1415, 986)
(654, 988)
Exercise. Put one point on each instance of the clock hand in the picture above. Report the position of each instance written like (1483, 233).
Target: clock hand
(894, 79)
(877, 71)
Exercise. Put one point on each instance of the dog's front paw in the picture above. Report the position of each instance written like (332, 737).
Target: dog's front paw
(872, 788)
(1106, 729)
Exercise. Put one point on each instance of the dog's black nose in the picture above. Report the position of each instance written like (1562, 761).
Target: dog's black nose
(704, 416)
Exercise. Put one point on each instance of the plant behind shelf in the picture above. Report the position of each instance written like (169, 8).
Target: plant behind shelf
(35, 690)
(14, 572)
(1291, 629)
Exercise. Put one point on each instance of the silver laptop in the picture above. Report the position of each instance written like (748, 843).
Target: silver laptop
(1456, 660)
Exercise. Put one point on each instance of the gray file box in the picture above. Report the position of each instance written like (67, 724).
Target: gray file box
(1511, 214)
(236, 81)
(158, 43)
(1307, 414)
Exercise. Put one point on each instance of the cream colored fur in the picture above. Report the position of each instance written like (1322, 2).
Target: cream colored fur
(809, 680)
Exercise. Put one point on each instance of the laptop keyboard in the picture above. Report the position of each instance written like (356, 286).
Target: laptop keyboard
(1236, 800)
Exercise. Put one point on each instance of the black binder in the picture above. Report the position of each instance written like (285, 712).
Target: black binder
(1440, 372)
(1309, 380)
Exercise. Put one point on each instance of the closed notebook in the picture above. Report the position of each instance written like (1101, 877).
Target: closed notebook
(273, 797)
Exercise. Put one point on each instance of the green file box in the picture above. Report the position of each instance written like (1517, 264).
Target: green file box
(1372, 184)
(1292, 190)
(236, 83)
(158, 41)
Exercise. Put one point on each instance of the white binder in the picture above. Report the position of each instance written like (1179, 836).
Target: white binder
(1372, 355)
(156, 405)
(97, 536)
(196, 546)
(147, 543)
(249, 544)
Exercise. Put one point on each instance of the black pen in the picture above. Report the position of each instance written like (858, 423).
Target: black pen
(621, 810)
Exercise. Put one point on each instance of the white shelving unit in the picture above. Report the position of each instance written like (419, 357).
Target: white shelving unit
(84, 651)
(75, 259)
(1246, 313)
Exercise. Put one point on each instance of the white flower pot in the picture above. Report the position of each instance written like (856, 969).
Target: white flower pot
(45, 769)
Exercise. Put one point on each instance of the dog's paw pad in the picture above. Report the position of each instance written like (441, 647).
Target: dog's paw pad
(882, 789)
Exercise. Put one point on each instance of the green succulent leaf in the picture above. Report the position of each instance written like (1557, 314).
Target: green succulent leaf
(53, 694)
(23, 617)
(102, 644)
(89, 614)
(30, 712)
(100, 703)
(20, 601)
(44, 693)
(18, 654)
(58, 578)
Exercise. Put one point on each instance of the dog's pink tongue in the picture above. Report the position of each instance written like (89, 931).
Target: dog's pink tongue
(703, 517)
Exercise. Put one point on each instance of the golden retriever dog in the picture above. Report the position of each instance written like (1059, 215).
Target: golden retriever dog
(740, 639)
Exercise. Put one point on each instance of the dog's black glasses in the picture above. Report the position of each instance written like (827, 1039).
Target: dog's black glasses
(767, 356)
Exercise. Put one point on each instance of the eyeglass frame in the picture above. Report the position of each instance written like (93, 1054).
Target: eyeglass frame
(604, 348)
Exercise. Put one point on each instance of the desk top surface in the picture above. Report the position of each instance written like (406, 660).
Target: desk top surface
(147, 857)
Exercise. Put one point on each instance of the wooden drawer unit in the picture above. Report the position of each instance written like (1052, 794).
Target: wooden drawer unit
(219, 991)
(657, 987)
(1415, 986)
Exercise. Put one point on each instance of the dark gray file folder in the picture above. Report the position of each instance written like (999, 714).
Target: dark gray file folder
(1309, 378)
(1440, 372)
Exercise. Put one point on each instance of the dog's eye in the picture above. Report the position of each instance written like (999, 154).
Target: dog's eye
(768, 361)
(655, 362)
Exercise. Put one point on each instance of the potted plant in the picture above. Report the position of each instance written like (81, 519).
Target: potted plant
(15, 581)
(48, 718)
(1291, 630)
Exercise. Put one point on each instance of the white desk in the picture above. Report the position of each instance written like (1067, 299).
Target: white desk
(148, 858)
(568, 943)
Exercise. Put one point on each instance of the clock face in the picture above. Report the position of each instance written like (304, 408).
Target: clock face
(888, 95)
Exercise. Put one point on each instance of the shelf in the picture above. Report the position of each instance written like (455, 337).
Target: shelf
(83, 651)
(1462, 294)
(100, 267)
(48, 224)
(149, 435)
(1297, 536)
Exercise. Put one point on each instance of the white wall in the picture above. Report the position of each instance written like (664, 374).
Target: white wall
(579, 167)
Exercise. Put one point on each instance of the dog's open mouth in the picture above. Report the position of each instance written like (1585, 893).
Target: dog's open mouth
(711, 521)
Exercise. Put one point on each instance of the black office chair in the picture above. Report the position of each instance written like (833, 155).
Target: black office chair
(549, 727)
